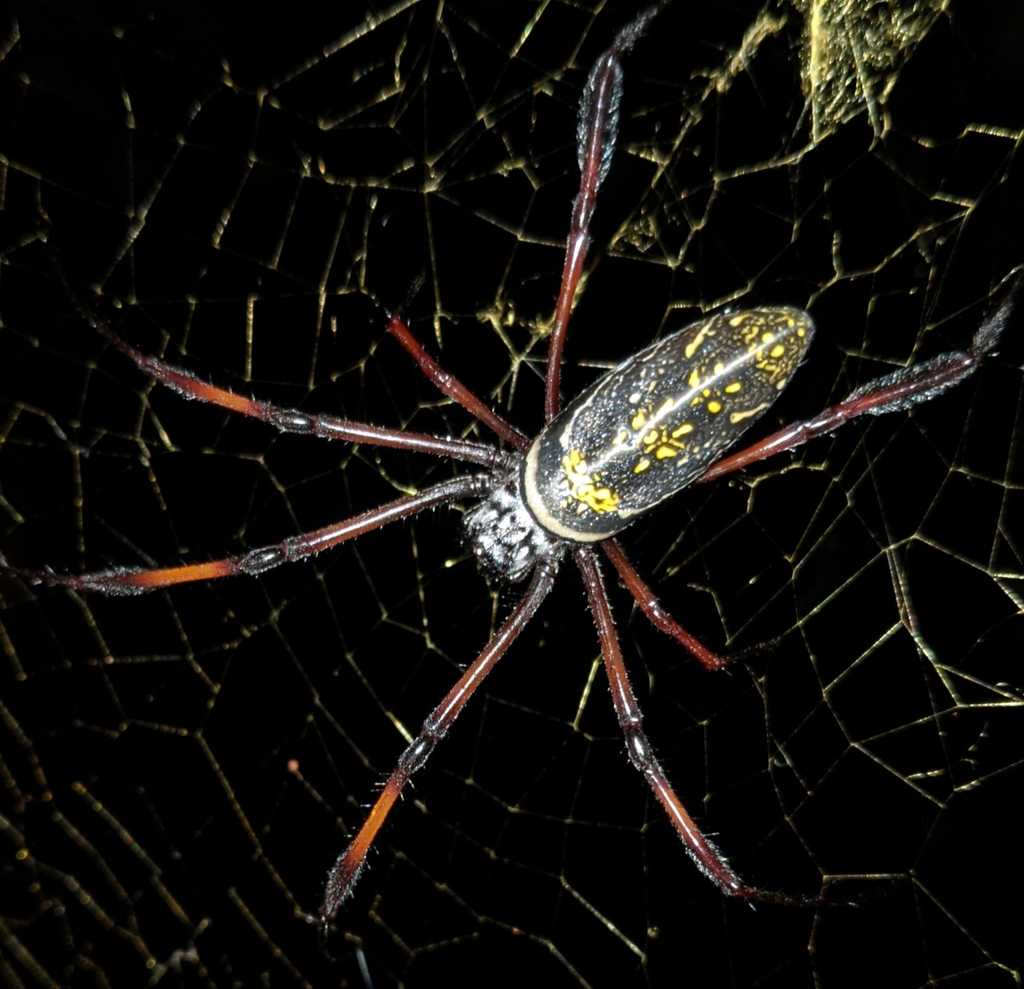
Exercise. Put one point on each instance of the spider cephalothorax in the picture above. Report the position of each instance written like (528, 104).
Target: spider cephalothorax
(502, 532)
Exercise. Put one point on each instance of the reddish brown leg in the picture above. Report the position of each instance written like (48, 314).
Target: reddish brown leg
(597, 132)
(124, 581)
(295, 420)
(652, 608)
(351, 862)
(449, 385)
(707, 857)
(605, 85)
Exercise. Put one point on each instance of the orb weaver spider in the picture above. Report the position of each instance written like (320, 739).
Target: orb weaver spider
(652, 426)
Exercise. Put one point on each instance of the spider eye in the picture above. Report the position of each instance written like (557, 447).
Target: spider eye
(653, 424)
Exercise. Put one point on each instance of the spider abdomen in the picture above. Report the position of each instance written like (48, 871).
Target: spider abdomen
(656, 422)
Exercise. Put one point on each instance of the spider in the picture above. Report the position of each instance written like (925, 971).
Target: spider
(653, 425)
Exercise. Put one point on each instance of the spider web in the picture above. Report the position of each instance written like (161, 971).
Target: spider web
(245, 194)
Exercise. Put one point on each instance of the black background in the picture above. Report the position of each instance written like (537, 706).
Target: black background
(180, 769)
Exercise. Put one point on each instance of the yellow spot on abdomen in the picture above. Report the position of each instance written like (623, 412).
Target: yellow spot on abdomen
(735, 417)
(733, 388)
(714, 407)
(582, 486)
(691, 347)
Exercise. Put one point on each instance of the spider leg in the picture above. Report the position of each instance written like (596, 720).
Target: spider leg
(888, 393)
(449, 385)
(707, 857)
(596, 134)
(652, 608)
(295, 420)
(125, 581)
(349, 866)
